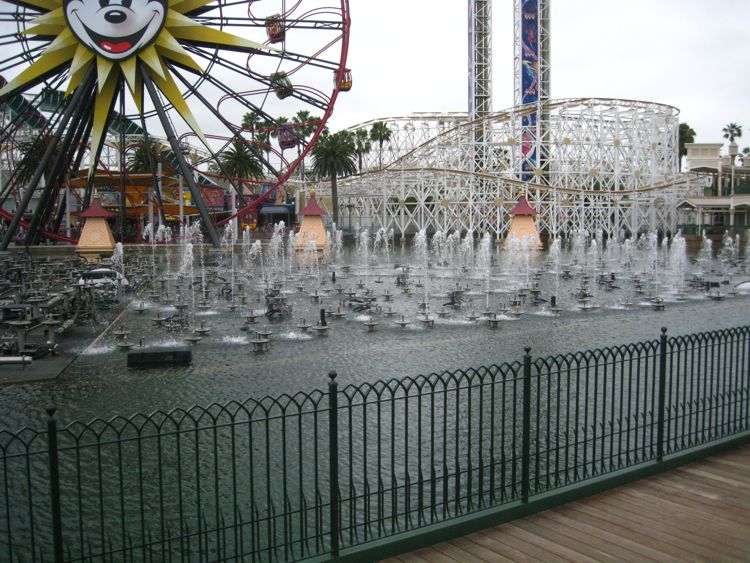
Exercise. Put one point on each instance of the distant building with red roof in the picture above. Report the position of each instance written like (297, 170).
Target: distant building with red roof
(96, 236)
(523, 223)
(523, 208)
(312, 226)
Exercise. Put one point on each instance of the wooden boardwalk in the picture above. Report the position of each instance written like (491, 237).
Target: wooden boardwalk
(698, 512)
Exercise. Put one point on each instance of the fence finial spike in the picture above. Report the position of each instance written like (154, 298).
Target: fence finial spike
(332, 374)
(51, 411)
(664, 330)
(527, 350)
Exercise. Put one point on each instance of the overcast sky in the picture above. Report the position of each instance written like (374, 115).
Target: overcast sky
(411, 55)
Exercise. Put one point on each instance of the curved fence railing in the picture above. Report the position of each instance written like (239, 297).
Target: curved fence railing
(354, 472)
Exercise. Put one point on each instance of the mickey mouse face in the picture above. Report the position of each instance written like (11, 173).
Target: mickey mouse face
(116, 29)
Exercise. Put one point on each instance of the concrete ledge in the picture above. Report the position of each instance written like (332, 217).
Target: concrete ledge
(9, 360)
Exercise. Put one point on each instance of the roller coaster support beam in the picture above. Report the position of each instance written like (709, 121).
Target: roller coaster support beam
(153, 167)
(70, 143)
(184, 168)
(75, 102)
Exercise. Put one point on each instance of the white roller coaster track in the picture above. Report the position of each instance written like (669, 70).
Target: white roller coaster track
(608, 165)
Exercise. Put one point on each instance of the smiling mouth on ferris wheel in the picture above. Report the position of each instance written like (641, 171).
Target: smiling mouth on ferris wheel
(116, 45)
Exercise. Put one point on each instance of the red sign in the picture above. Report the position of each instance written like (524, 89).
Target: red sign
(213, 198)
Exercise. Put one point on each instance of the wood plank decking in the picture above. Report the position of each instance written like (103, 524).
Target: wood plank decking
(698, 512)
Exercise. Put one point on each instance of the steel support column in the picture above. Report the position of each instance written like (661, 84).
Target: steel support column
(85, 86)
(181, 163)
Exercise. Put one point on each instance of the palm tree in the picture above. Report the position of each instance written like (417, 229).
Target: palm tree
(250, 121)
(139, 160)
(333, 156)
(380, 133)
(304, 126)
(239, 161)
(745, 156)
(263, 139)
(276, 128)
(732, 132)
(686, 134)
(362, 144)
(281, 120)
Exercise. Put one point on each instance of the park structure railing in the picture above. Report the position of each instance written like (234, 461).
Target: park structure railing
(369, 470)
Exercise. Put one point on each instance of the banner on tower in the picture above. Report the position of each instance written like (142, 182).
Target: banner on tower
(529, 83)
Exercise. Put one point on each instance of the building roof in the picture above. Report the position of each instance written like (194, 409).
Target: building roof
(704, 145)
(724, 202)
(312, 208)
(523, 208)
(96, 210)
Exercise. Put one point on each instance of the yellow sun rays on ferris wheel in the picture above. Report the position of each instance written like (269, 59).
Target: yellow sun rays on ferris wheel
(122, 38)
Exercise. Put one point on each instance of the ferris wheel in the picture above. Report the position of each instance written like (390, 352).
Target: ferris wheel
(198, 78)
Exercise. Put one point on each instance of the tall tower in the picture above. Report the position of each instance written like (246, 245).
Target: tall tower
(531, 80)
(480, 58)
(480, 80)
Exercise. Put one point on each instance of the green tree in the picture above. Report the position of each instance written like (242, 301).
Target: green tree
(138, 159)
(281, 120)
(239, 161)
(686, 134)
(362, 144)
(304, 126)
(334, 155)
(732, 132)
(263, 140)
(380, 133)
(745, 156)
(250, 121)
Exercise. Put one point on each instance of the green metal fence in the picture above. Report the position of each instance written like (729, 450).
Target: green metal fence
(366, 470)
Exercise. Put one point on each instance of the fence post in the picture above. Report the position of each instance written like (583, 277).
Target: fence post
(54, 484)
(526, 428)
(333, 460)
(662, 394)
